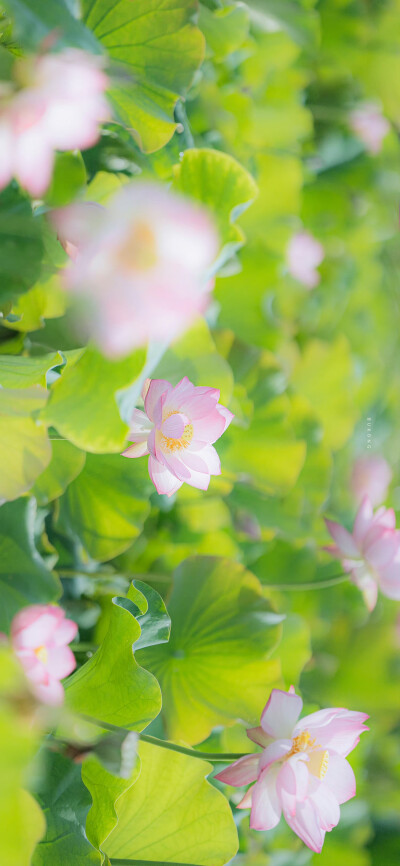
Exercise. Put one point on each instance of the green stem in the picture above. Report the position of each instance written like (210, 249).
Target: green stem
(225, 757)
(118, 862)
(83, 647)
(301, 587)
(193, 753)
(185, 131)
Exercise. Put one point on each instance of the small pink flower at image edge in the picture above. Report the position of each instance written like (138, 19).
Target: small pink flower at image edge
(57, 102)
(39, 637)
(371, 553)
(370, 476)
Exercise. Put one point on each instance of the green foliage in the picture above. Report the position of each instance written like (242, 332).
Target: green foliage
(107, 504)
(111, 687)
(220, 182)
(223, 631)
(106, 790)
(21, 246)
(69, 179)
(24, 578)
(157, 61)
(225, 29)
(77, 400)
(43, 301)
(19, 372)
(26, 450)
(172, 813)
(34, 22)
(65, 464)
(331, 394)
(196, 353)
(22, 821)
(247, 109)
(65, 802)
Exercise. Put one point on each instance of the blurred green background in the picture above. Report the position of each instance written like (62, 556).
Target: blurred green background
(309, 375)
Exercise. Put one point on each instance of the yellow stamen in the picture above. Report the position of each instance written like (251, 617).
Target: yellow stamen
(318, 763)
(167, 443)
(318, 759)
(41, 654)
(301, 743)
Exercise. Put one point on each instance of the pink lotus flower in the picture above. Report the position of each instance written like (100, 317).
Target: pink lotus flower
(370, 126)
(304, 254)
(177, 429)
(39, 637)
(58, 107)
(302, 770)
(371, 553)
(371, 476)
(140, 264)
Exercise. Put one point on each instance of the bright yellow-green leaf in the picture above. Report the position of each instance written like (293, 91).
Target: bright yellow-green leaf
(268, 451)
(159, 50)
(331, 392)
(66, 463)
(173, 814)
(195, 356)
(111, 686)
(25, 447)
(44, 301)
(18, 371)
(22, 820)
(82, 404)
(221, 183)
(107, 504)
(223, 631)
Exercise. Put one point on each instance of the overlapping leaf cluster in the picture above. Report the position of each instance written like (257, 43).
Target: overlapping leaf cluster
(245, 108)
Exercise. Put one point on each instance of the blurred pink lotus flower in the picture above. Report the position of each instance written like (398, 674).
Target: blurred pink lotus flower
(140, 264)
(39, 637)
(302, 770)
(177, 429)
(371, 553)
(371, 476)
(304, 254)
(370, 126)
(58, 105)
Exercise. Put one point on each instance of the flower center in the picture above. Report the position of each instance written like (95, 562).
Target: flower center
(139, 251)
(41, 654)
(318, 758)
(301, 743)
(176, 432)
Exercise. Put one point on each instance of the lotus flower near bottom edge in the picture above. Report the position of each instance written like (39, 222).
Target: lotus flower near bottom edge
(302, 771)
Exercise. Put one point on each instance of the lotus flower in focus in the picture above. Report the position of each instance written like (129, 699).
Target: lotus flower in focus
(304, 254)
(302, 771)
(57, 102)
(370, 126)
(141, 264)
(371, 553)
(39, 638)
(177, 429)
(371, 476)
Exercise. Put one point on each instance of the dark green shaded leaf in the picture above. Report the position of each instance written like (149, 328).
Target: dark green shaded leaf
(24, 578)
(65, 802)
(21, 246)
